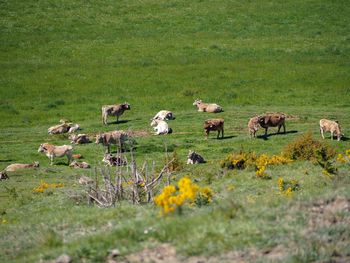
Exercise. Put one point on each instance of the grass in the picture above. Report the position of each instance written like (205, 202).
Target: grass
(65, 59)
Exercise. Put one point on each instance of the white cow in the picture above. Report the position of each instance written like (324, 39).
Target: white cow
(160, 127)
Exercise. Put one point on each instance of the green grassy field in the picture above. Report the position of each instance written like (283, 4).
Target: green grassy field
(65, 59)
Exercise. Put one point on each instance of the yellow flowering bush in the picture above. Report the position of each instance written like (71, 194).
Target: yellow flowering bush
(287, 187)
(43, 186)
(344, 158)
(260, 162)
(173, 198)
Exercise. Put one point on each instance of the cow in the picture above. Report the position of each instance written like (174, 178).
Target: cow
(19, 166)
(272, 120)
(74, 128)
(164, 115)
(160, 127)
(207, 107)
(214, 125)
(83, 165)
(111, 160)
(114, 110)
(193, 158)
(53, 151)
(113, 137)
(79, 139)
(330, 126)
(59, 129)
(253, 126)
(3, 175)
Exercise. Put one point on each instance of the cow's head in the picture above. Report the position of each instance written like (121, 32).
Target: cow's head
(126, 106)
(197, 101)
(100, 138)
(169, 116)
(42, 148)
(35, 164)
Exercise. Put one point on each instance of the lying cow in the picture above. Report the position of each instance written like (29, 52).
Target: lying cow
(59, 129)
(214, 125)
(160, 127)
(164, 115)
(113, 110)
(53, 151)
(20, 166)
(193, 158)
(3, 175)
(253, 126)
(74, 128)
(207, 107)
(111, 160)
(113, 137)
(330, 126)
(272, 120)
(83, 165)
(79, 139)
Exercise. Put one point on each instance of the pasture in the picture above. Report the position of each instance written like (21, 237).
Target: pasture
(65, 59)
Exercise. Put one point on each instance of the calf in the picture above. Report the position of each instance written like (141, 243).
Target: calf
(193, 158)
(253, 126)
(207, 107)
(272, 120)
(113, 137)
(53, 151)
(160, 127)
(79, 139)
(113, 110)
(164, 115)
(214, 125)
(330, 126)
(111, 160)
(19, 166)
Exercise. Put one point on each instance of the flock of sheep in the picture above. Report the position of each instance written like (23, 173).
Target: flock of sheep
(160, 126)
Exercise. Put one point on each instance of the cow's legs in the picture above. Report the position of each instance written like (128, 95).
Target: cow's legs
(266, 131)
(321, 130)
(51, 160)
(332, 135)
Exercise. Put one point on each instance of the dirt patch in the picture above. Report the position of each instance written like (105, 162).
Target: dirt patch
(136, 134)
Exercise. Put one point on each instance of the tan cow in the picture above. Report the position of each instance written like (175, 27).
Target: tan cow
(207, 107)
(113, 137)
(83, 165)
(253, 126)
(52, 151)
(113, 110)
(330, 126)
(79, 139)
(272, 120)
(214, 125)
(20, 166)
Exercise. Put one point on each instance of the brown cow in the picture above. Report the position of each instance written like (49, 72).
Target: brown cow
(113, 137)
(79, 139)
(214, 125)
(272, 120)
(331, 126)
(113, 110)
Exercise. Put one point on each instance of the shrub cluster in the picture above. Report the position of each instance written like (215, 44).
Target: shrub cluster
(43, 186)
(287, 187)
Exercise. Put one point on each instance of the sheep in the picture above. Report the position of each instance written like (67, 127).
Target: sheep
(114, 110)
(207, 107)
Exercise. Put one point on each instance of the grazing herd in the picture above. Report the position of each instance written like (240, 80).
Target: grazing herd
(160, 126)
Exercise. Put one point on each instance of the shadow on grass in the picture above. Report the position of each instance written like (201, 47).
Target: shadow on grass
(224, 138)
(344, 138)
(118, 122)
(5, 160)
(265, 138)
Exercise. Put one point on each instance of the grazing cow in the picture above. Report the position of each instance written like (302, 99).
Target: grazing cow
(193, 158)
(18, 166)
(83, 165)
(164, 115)
(3, 175)
(79, 139)
(113, 110)
(207, 107)
(113, 137)
(330, 126)
(214, 125)
(111, 160)
(53, 151)
(160, 127)
(272, 120)
(253, 126)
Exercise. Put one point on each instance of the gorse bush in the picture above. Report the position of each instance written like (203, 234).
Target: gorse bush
(305, 147)
(287, 187)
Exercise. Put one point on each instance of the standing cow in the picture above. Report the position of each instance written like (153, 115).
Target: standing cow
(114, 110)
(113, 137)
(53, 151)
(272, 120)
(330, 126)
(214, 125)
